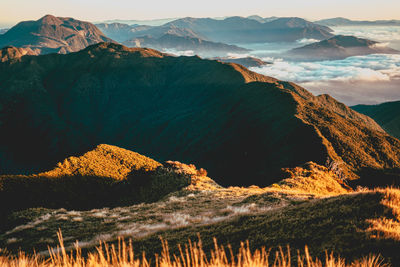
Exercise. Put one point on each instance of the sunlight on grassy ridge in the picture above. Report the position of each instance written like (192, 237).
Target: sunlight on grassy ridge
(103, 161)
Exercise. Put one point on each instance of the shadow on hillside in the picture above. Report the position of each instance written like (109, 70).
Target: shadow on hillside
(86, 192)
(373, 178)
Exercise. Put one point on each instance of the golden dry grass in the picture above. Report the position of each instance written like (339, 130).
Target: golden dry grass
(387, 227)
(309, 179)
(103, 161)
(191, 255)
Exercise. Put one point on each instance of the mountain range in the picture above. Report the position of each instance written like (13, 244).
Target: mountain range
(339, 21)
(220, 116)
(339, 47)
(386, 114)
(244, 30)
(230, 30)
(175, 42)
(53, 35)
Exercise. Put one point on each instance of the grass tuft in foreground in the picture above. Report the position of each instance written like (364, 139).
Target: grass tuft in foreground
(191, 255)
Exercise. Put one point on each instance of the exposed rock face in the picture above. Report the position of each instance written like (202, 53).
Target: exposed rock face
(340, 47)
(53, 35)
(241, 126)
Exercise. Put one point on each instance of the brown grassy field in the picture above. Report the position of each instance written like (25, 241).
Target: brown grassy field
(192, 254)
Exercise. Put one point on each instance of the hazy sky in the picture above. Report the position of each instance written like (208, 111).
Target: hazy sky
(12, 11)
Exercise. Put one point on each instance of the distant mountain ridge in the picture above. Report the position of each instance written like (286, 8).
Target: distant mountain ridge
(185, 43)
(340, 47)
(223, 117)
(386, 114)
(53, 35)
(245, 30)
(340, 21)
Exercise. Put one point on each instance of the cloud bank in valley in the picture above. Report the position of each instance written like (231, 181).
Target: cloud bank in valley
(389, 35)
(354, 80)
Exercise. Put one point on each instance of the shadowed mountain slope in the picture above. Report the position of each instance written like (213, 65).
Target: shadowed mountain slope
(387, 115)
(340, 47)
(241, 126)
(53, 35)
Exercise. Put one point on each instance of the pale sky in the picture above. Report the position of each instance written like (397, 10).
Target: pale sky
(13, 11)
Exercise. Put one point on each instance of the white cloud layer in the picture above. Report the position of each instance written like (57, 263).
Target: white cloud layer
(354, 80)
(389, 35)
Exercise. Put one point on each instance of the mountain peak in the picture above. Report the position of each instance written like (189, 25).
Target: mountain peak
(52, 34)
(50, 19)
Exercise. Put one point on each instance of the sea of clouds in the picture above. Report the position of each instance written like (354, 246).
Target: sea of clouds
(355, 80)
(389, 35)
(367, 79)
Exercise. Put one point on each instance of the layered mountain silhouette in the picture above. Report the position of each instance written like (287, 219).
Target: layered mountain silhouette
(241, 126)
(386, 114)
(246, 30)
(340, 21)
(53, 35)
(229, 30)
(124, 32)
(340, 47)
(120, 32)
(184, 43)
(261, 19)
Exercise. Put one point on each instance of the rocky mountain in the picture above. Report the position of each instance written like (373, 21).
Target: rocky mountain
(248, 62)
(245, 30)
(347, 22)
(185, 43)
(241, 126)
(386, 115)
(339, 47)
(53, 35)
